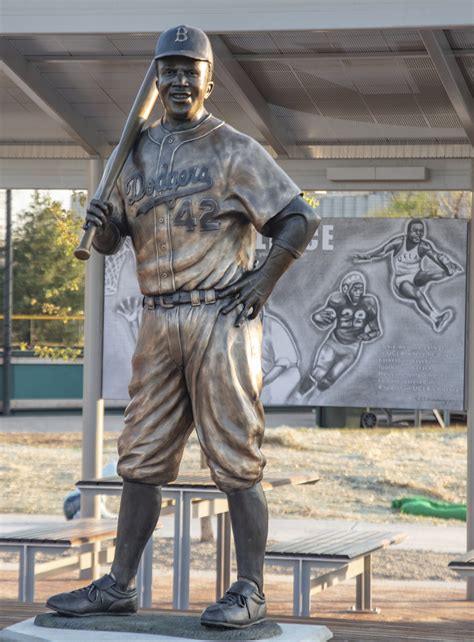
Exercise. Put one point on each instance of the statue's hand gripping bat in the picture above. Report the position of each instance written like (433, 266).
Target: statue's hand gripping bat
(141, 109)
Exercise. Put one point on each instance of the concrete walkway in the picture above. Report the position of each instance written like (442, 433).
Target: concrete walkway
(441, 539)
(113, 421)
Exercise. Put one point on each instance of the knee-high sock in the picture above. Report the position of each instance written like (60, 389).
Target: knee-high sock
(249, 518)
(139, 511)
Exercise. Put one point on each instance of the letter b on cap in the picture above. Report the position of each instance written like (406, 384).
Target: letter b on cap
(181, 34)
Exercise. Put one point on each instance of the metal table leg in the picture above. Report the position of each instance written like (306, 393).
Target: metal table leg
(185, 551)
(305, 588)
(22, 574)
(220, 556)
(145, 576)
(360, 598)
(178, 525)
(227, 552)
(297, 580)
(367, 580)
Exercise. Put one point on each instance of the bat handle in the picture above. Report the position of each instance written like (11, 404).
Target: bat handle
(83, 250)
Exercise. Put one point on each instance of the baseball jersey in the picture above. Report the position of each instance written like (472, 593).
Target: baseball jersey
(192, 200)
(351, 318)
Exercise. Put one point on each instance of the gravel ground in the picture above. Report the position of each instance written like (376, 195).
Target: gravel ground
(362, 471)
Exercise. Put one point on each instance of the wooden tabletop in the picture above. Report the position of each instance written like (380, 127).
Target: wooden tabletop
(196, 479)
(336, 544)
(73, 533)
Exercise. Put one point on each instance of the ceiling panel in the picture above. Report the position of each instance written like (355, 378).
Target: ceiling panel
(85, 94)
(403, 40)
(396, 110)
(61, 77)
(467, 69)
(136, 44)
(88, 44)
(355, 109)
(461, 38)
(38, 45)
(340, 98)
(303, 42)
(257, 42)
(424, 75)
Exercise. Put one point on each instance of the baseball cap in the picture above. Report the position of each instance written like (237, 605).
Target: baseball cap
(184, 41)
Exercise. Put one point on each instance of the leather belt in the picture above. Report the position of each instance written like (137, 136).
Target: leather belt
(194, 297)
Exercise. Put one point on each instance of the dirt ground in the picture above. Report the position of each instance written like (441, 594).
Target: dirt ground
(361, 471)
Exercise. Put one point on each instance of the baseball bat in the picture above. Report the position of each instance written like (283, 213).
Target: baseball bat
(141, 109)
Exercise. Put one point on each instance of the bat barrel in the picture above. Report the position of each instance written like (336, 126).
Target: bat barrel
(139, 113)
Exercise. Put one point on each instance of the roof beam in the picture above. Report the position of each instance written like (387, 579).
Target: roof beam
(29, 80)
(339, 55)
(444, 60)
(246, 57)
(242, 89)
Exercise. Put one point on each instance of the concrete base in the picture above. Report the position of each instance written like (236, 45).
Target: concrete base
(182, 628)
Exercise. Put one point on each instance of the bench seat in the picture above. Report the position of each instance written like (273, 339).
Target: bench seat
(346, 553)
(463, 565)
(79, 534)
(58, 539)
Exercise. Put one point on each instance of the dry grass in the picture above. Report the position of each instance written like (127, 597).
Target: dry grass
(361, 470)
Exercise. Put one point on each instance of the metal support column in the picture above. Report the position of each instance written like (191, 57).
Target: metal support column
(93, 404)
(470, 395)
(7, 306)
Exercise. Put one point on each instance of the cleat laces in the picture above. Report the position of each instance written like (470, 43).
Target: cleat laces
(234, 599)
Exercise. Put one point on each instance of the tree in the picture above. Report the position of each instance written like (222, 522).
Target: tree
(47, 279)
(427, 205)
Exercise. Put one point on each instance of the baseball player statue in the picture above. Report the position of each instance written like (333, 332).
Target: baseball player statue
(192, 194)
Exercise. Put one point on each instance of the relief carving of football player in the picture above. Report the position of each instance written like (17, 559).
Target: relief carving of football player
(416, 263)
(353, 316)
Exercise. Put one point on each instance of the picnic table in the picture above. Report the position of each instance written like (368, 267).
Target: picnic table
(189, 488)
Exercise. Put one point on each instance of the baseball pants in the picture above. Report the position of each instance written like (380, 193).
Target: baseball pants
(192, 368)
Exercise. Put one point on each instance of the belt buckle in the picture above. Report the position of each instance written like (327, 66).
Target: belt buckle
(163, 302)
(148, 302)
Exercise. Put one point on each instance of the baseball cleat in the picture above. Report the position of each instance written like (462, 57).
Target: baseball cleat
(240, 607)
(102, 597)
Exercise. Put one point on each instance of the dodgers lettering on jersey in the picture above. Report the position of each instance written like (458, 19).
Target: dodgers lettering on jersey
(191, 201)
(351, 318)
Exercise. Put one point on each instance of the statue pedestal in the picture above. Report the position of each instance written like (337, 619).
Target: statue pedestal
(162, 627)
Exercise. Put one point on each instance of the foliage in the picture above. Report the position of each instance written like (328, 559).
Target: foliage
(47, 279)
(310, 199)
(56, 352)
(427, 205)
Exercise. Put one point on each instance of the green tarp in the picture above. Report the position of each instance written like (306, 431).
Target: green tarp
(430, 508)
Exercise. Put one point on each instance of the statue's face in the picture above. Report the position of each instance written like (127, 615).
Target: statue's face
(183, 85)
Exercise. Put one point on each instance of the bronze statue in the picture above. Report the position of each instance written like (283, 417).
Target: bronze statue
(192, 194)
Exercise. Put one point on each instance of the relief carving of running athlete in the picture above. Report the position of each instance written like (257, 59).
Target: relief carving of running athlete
(353, 316)
(412, 275)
